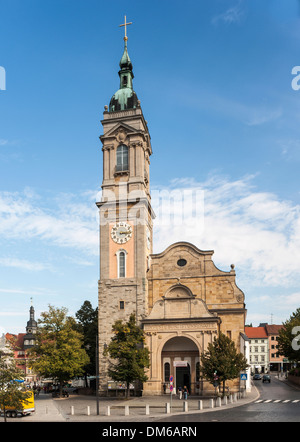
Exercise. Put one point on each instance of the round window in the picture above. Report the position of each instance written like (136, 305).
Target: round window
(181, 262)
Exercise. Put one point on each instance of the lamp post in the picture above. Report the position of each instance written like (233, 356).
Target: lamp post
(216, 384)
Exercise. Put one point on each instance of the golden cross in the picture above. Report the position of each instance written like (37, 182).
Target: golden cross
(125, 24)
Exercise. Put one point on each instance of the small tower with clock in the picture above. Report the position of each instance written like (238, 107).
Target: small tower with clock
(125, 211)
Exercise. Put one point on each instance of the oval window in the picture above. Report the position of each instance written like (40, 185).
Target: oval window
(181, 262)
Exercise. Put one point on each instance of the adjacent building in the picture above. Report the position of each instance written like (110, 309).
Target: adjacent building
(20, 343)
(264, 352)
(259, 349)
(276, 361)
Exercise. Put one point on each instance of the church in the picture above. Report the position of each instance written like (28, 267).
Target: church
(179, 297)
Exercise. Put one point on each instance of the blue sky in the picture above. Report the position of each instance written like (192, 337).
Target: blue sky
(214, 80)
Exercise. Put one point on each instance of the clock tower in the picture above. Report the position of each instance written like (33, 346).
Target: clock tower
(125, 212)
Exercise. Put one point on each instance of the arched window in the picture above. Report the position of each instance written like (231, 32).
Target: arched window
(122, 158)
(121, 261)
(167, 372)
(122, 265)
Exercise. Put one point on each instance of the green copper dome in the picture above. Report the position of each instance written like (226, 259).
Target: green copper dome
(125, 97)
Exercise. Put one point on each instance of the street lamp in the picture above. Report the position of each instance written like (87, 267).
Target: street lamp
(216, 384)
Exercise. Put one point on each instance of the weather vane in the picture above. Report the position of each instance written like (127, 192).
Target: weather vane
(125, 25)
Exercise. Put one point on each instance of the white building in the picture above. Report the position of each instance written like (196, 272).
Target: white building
(259, 349)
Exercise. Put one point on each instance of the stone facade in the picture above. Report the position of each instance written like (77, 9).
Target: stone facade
(194, 301)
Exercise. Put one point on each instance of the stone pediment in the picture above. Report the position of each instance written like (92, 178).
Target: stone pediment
(120, 131)
(117, 130)
(180, 303)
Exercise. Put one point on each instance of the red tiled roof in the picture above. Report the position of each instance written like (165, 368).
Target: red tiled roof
(16, 341)
(255, 332)
(273, 329)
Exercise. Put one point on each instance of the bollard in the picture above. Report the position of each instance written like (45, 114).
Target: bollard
(108, 410)
(230, 398)
(88, 411)
(185, 406)
(72, 410)
(46, 409)
(168, 408)
(211, 403)
(126, 410)
(234, 397)
(219, 402)
(225, 400)
(200, 405)
(147, 409)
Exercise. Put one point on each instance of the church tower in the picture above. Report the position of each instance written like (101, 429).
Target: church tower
(31, 329)
(124, 210)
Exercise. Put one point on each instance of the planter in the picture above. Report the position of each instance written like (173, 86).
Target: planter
(294, 379)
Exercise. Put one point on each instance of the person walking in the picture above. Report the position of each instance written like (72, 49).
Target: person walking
(180, 392)
(185, 393)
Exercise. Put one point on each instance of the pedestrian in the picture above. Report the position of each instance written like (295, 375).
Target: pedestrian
(180, 392)
(185, 393)
(165, 388)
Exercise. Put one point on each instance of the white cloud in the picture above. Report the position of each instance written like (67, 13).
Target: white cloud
(24, 264)
(290, 149)
(249, 114)
(31, 292)
(288, 300)
(64, 222)
(232, 15)
(13, 314)
(262, 116)
(256, 231)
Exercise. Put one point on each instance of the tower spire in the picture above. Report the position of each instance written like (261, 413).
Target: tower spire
(125, 97)
(125, 63)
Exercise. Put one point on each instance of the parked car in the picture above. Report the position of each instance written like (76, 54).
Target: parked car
(257, 377)
(266, 378)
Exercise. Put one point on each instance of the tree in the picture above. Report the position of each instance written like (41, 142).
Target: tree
(222, 360)
(88, 326)
(288, 339)
(57, 352)
(130, 357)
(11, 394)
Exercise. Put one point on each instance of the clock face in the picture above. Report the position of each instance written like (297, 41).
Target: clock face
(121, 232)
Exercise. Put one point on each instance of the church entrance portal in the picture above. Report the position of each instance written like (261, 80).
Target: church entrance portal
(183, 377)
(180, 358)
